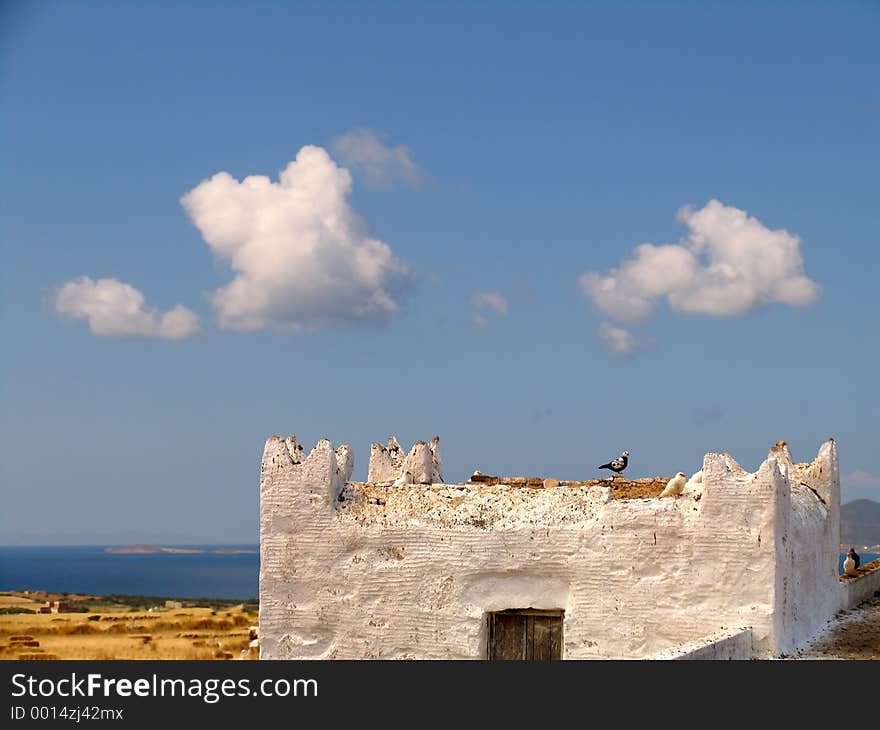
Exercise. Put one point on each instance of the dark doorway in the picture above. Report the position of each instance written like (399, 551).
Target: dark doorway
(525, 633)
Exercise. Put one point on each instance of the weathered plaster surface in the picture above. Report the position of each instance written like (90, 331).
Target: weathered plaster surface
(353, 570)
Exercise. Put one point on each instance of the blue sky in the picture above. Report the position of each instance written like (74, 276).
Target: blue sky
(496, 152)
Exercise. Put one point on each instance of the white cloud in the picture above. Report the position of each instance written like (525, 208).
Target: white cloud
(494, 300)
(861, 479)
(302, 257)
(363, 150)
(487, 300)
(116, 309)
(618, 340)
(729, 265)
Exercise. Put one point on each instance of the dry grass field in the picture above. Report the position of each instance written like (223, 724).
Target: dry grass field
(118, 631)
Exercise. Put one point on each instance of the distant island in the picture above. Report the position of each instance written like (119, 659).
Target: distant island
(154, 549)
(860, 524)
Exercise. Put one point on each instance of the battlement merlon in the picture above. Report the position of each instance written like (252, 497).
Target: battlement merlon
(292, 483)
(822, 475)
(423, 462)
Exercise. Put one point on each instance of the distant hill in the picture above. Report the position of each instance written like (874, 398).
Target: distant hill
(860, 523)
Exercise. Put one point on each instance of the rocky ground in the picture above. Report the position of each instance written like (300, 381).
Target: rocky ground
(853, 634)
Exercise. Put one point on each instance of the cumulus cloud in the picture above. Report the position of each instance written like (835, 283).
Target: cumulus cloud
(494, 300)
(364, 150)
(728, 265)
(479, 320)
(302, 257)
(116, 309)
(861, 479)
(618, 341)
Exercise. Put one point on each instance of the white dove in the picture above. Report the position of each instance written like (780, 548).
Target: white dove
(674, 486)
(403, 479)
(852, 562)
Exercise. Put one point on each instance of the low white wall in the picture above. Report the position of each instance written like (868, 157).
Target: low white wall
(860, 588)
(723, 645)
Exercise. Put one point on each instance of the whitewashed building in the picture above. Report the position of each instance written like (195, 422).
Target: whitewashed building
(742, 564)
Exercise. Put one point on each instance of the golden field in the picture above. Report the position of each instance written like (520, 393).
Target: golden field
(113, 630)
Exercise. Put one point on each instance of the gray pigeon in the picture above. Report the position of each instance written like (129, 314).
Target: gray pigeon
(617, 465)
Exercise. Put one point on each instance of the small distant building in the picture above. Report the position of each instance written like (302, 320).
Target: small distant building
(56, 607)
(173, 604)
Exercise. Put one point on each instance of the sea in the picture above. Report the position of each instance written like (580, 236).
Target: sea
(93, 571)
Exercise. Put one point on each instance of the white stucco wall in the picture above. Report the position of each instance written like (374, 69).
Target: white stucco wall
(410, 572)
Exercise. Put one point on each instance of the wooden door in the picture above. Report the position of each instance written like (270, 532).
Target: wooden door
(525, 634)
